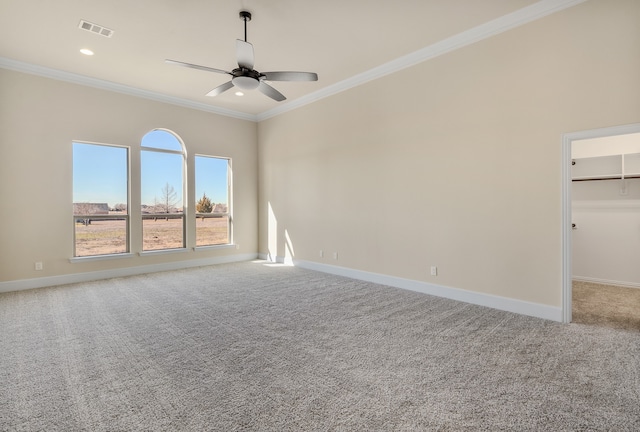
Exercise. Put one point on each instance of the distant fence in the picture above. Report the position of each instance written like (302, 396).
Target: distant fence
(87, 218)
(165, 216)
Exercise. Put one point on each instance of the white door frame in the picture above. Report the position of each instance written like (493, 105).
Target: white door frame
(567, 139)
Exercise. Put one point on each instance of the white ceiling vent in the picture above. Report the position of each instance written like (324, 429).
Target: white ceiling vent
(95, 28)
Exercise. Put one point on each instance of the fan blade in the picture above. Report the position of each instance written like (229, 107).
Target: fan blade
(195, 66)
(271, 92)
(221, 88)
(290, 76)
(244, 54)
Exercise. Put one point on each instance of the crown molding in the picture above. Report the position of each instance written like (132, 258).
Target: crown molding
(507, 22)
(7, 63)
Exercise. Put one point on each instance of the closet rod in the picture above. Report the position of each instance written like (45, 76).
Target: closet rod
(605, 178)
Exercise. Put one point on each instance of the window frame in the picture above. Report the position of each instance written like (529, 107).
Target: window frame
(134, 230)
(126, 217)
(228, 214)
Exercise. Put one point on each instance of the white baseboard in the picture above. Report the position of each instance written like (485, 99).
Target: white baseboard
(276, 259)
(606, 281)
(496, 302)
(502, 303)
(24, 284)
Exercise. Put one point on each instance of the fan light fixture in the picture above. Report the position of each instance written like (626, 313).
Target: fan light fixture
(245, 82)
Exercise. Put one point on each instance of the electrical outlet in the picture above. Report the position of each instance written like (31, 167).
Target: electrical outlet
(434, 271)
(335, 255)
(38, 265)
(321, 253)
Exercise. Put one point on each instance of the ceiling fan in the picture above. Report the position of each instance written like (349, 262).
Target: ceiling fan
(245, 76)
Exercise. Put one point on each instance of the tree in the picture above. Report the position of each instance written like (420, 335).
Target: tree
(204, 205)
(168, 200)
(84, 209)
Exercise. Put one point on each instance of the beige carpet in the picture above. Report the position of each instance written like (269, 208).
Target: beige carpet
(256, 347)
(606, 305)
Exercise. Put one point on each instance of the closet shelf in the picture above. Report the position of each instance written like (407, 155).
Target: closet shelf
(610, 167)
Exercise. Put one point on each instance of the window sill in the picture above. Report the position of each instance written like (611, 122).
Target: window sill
(151, 253)
(213, 247)
(100, 257)
(163, 252)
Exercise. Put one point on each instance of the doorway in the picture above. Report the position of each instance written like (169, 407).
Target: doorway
(568, 141)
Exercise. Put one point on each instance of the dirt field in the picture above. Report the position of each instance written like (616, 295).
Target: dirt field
(101, 237)
(108, 236)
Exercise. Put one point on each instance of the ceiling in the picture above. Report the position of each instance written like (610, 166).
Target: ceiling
(338, 39)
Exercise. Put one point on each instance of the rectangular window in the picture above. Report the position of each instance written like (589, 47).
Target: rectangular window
(162, 199)
(100, 199)
(213, 189)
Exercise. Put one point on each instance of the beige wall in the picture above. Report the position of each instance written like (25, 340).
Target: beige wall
(40, 118)
(455, 162)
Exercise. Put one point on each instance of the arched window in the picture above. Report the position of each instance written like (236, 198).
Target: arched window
(162, 171)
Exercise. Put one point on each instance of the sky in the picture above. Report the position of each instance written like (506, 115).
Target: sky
(100, 172)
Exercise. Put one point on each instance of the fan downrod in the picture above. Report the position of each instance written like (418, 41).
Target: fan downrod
(246, 17)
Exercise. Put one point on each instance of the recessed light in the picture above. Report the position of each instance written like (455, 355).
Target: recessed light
(86, 51)
(239, 93)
